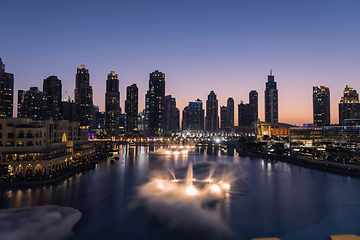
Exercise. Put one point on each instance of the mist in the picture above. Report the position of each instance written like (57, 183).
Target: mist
(37, 223)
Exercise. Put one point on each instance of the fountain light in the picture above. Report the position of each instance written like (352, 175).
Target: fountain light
(168, 152)
(226, 186)
(176, 152)
(191, 190)
(208, 180)
(174, 180)
(215, 188)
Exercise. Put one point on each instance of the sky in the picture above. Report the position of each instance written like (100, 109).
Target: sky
(225, 46)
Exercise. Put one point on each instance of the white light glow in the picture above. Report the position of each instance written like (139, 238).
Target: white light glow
(191, 190)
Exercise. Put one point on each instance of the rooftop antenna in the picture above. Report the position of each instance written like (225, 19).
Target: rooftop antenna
(270, 72)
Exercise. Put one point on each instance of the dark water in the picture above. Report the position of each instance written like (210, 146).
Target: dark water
(271, 199)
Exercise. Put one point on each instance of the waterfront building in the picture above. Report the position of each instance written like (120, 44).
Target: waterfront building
(172, 115)
(30, 147)
(112, 104)
(34, 104)
(6, 91)
(230, 112)
(349, 106)
(156, 102)
(52, 88)
(271, 100)
(212, 116)
(100, 120)
(83, 98)
(321, 106)
(131, 108)
(193, 116)
(278, 130)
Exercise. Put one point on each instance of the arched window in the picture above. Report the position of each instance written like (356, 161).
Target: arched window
(20, 143)
(29, 143)
(21, 134)
(29, 134)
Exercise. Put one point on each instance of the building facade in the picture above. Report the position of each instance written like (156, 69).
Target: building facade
(33, 105)
(321, 106)
(253, 101)
(271, 100)
(349, 106)
(172, 115)
(156, 102)
(212, 116)
(83, 98)
(6, 91)
(52, 88)
(131, 108)
(230, 112)
(112, 104)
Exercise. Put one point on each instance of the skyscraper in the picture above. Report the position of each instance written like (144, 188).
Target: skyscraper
(230, 112)
(212, 117)
(83, 98)
(193, 116)
(253, 101)
(271, 100)
(244, 116)
(131, 108)
(248, 112)
(223, 117)
(172, 115)
(112, 104)
(156, 102)
(6, 91)
(20, 109)
(321, 105)
(349, 106)
(53, 89)
(35, 104)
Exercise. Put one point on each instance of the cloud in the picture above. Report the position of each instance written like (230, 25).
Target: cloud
(37, 223)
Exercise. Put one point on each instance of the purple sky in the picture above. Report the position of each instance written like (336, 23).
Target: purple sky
(225, 46)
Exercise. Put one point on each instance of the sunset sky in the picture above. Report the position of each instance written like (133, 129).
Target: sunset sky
(225, 46)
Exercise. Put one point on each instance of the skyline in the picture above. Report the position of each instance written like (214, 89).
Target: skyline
(228, 48)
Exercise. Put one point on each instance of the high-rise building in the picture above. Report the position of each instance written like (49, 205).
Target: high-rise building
(53, 89)
(112, 104)
(193, 116)
(83, 98)
(244, 115)
(6, 91)
(172, 115)
(68, 110)
(131, 108)
(223, 117)
(212, 116)
(349, 106)
(271, 100)
(321, 105)
(253, 101)
(20, 109)
(248, 112)
(35, 104)
(230, 112)
(156, 102)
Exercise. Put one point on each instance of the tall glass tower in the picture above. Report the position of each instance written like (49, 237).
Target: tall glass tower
(271, 100)
(156, 102)
(83, 98)
(112, 104)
